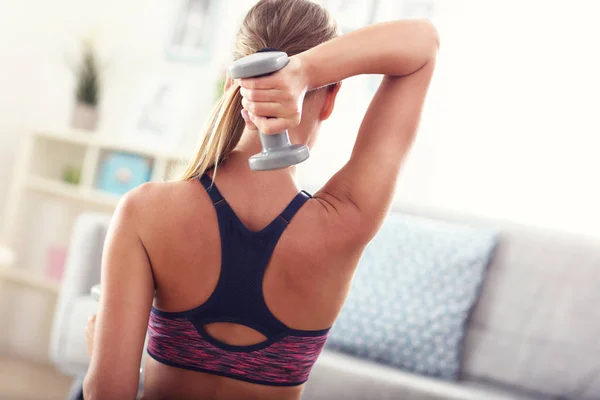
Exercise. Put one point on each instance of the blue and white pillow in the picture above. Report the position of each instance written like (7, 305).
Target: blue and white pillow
(412, 294)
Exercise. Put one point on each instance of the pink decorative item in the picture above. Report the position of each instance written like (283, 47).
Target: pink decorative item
(55, 262)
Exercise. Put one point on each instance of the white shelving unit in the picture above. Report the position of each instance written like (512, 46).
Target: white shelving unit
(22, 277)
(44, 155)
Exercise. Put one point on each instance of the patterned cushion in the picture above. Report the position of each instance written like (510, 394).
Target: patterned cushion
(412, 294)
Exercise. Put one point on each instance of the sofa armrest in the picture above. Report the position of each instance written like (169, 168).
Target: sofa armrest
(71, 356)
(339, 376)
(82, 271)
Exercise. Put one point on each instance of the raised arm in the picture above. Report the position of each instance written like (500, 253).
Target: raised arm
(396, 49)
(405, 52)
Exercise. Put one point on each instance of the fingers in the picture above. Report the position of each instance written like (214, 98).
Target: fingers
(273, 125)
(269, 109)
(267, 95)
(264, 82)
(272, 103)
(91, 323)
(89, 334)
(249, 124)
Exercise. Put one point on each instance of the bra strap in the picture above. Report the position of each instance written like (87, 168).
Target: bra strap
(294, 206)
(211, 189)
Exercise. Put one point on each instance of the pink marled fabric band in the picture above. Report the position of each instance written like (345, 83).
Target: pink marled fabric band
(286, 362)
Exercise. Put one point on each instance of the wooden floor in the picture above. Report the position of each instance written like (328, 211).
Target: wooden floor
(20, 380)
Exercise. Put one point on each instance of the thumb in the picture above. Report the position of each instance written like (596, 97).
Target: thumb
(249, 124)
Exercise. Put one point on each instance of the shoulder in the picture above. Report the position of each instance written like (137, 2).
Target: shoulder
(153, 199)
(142, 196)
(157, 192)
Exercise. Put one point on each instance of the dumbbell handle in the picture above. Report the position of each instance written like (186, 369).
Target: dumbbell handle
(274, 141)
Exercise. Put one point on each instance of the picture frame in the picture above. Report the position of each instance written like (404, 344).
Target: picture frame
(190, 37)
(412, 9)
(404, 9)
(393, 10)
(163, 110)
(121, 172)
(352, 14)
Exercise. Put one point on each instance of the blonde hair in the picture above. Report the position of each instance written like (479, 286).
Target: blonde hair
(293, 26)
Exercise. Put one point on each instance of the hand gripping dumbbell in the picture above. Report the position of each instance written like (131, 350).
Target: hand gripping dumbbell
(277, 150)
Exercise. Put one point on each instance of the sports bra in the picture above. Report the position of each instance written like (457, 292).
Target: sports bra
(179, 339)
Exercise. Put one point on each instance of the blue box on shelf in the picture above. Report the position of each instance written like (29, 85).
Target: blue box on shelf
(121, 172)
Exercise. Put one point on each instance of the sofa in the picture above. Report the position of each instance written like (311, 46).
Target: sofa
(534, 332)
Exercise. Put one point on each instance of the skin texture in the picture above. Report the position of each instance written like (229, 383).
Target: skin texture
(164, 236)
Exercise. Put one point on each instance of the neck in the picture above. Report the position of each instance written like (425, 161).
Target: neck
(237, 164)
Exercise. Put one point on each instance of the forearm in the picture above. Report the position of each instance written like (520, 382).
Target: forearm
(110, 390)
(395, 48)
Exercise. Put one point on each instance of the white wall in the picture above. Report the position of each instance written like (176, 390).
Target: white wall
(519, 134)
(511, 127)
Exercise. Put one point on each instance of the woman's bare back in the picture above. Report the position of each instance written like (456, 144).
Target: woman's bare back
(304, 286)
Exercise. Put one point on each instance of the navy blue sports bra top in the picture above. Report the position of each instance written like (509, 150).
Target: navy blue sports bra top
(179, 339)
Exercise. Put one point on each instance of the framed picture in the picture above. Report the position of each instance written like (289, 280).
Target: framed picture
(403, 9)
(388, 10)
(191, 34)
(165, 107)
(121, 172)
(352, 14)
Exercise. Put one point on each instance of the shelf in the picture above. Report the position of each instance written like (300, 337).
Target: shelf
(96, 139)
(71, 192)
(29, 279)
(80, 137)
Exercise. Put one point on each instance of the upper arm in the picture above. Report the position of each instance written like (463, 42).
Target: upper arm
(121, 324)
(367, 182)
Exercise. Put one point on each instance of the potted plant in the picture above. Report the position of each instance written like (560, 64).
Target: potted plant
(87, 73)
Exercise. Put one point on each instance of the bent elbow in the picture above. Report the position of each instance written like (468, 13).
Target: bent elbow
(418, 44)
(429, 37)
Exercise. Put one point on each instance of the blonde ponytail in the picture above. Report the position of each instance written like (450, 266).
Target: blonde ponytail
(222, 133)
